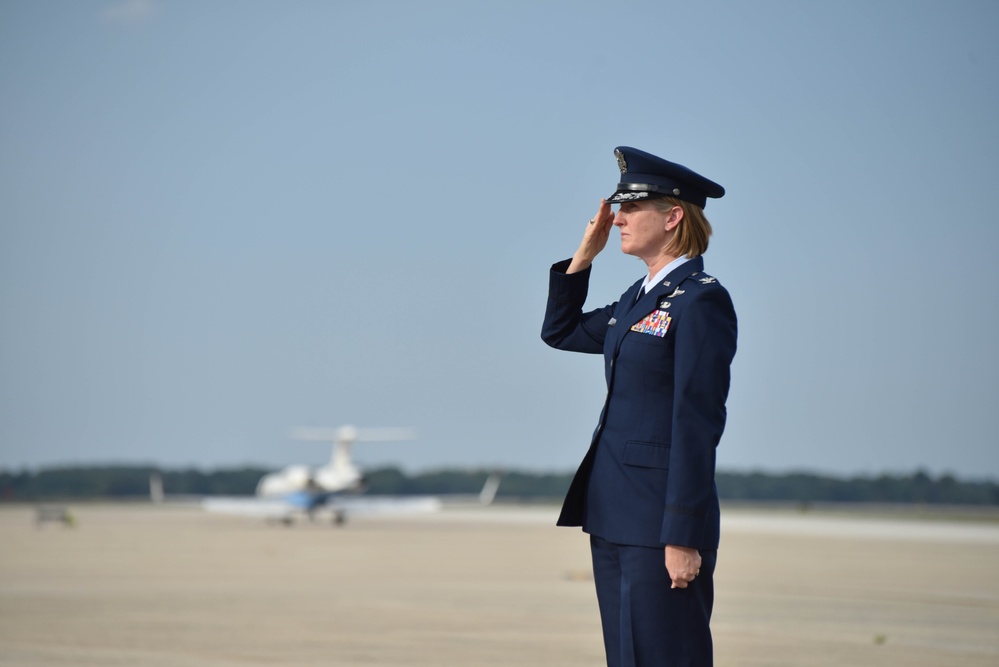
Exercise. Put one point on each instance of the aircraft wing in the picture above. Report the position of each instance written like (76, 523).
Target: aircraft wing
(263, 508)
(385, 505)
(340, 507)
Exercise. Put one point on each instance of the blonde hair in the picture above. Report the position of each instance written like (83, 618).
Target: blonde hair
(691, 236)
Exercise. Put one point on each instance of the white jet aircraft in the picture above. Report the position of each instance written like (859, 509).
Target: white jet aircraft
(299, 490)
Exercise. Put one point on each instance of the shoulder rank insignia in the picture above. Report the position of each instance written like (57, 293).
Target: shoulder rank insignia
(707, 280)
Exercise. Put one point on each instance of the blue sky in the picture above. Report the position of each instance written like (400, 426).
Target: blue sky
(220, 220)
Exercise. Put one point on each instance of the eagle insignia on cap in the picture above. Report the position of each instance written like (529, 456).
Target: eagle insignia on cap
(621, 164)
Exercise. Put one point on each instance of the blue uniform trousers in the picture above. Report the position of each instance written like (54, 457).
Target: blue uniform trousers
(645, 622)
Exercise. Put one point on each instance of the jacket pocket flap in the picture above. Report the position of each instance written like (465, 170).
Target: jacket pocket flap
(646, 455)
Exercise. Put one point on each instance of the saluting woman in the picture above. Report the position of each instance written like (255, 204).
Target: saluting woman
(645, 491)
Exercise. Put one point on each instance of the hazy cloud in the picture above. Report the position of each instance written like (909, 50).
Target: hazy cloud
(129, 11)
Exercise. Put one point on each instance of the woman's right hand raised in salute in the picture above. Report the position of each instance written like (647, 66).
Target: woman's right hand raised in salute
(594, 238)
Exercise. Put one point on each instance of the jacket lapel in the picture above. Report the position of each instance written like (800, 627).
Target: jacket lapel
(648, 302)
(623, 313)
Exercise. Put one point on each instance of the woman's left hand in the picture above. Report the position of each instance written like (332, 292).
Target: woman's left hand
(683, 564)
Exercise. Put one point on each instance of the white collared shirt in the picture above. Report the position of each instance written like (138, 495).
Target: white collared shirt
(663, 272)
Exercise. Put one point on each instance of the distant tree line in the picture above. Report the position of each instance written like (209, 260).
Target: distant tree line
(919, 487)
(123, 482)
(118, 482)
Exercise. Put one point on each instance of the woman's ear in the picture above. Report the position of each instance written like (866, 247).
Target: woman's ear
(673, 218)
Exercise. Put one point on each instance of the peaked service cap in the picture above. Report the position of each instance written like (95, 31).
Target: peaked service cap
(646, 176)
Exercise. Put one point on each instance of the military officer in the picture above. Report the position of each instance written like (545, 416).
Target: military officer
(645, 491)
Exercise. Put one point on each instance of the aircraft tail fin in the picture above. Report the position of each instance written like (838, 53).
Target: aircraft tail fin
(156, 488)
(489, 489)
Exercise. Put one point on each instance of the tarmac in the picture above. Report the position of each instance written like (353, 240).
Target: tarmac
(171, 586)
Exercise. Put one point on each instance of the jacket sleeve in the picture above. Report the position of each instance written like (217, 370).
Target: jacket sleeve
(705, 347)
(566, 326)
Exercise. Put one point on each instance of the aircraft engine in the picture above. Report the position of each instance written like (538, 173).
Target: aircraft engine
(289, 480)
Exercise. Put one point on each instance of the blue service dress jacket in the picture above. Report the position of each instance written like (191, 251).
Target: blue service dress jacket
(648, 478)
